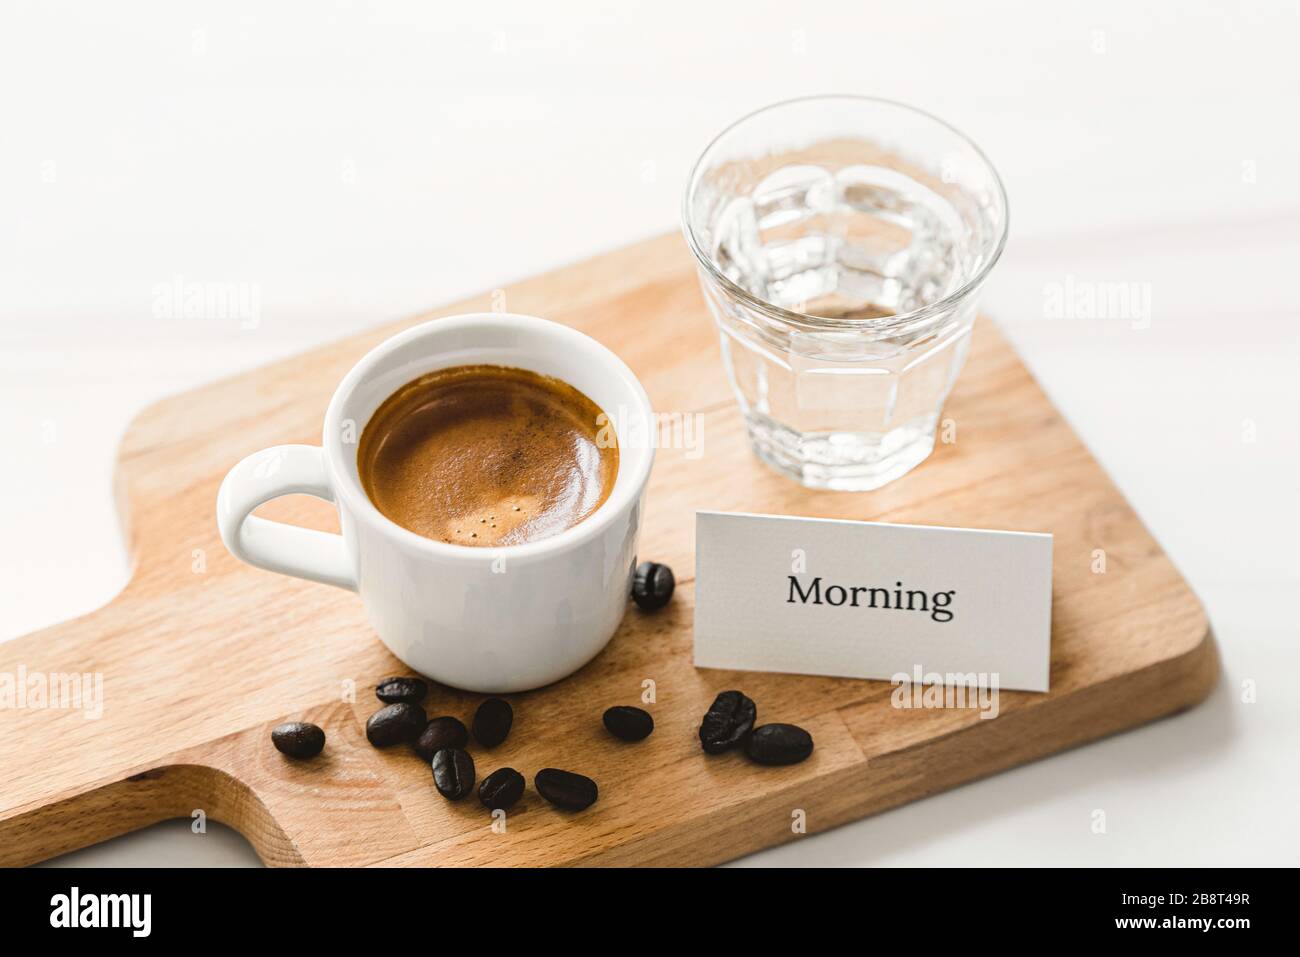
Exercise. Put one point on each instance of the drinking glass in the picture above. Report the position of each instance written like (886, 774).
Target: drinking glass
(841, 244)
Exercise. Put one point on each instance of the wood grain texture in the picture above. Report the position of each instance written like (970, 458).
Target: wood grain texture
(201, 655)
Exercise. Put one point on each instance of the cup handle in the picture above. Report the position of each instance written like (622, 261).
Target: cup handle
(275, 546)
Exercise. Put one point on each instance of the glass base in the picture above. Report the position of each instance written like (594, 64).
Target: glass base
(842, 461)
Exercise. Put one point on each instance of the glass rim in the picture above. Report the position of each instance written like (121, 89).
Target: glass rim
(827, 323)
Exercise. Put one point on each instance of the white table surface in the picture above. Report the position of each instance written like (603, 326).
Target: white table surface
(360, 164)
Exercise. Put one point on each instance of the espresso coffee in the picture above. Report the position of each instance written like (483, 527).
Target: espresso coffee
(486, 455)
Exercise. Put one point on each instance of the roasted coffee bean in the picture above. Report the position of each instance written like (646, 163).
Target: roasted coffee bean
(630, 724)
(501, 789)
(573, 792)
(729, 719)
(439, 733)
(395, 723)
(652, 585)
(779, 744)
(453, 773)
(398, 690)
(298, 739)
(492, 722)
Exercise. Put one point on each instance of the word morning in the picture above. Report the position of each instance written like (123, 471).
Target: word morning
(863, 596)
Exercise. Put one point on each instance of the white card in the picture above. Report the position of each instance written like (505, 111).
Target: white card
(871, 600)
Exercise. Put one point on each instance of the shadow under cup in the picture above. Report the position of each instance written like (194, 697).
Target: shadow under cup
(841, 244)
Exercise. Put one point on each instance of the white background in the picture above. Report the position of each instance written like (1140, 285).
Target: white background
(361, 162)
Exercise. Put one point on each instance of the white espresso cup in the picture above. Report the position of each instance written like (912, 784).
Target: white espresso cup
(483, 619)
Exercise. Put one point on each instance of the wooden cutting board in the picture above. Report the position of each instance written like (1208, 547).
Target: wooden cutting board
(201, 655)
